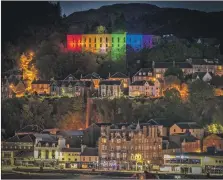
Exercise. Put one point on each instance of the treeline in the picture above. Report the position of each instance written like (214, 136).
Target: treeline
(200, 106)
(65, 113)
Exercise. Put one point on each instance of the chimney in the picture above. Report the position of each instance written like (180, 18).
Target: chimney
(173, 63)
(81, 76)
(145, 130)
(153, 64)
(83, 147)
(109, 75)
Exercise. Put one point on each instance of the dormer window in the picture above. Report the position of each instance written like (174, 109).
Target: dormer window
(140, 73)
(144, 73)
(53, 145)
(47, 144)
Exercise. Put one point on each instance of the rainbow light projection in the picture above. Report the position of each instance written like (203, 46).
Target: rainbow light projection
(117, 44)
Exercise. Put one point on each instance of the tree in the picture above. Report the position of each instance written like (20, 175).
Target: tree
(174, 71)
(101, 29)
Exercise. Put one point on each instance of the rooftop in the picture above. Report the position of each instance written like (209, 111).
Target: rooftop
(119, 75)
(109, 82)
(188, 125)
(88, 151)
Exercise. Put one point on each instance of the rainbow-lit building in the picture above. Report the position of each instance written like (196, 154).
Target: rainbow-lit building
(117, 44)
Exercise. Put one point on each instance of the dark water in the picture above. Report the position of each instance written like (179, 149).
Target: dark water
(56, 176)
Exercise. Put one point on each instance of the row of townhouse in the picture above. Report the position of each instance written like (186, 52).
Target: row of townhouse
(48, 150)
(146, 82)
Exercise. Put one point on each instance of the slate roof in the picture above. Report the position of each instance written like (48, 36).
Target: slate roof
(170, 145)
(25, 154)
(165, 122)
(171, 64)
(71, 133)
(50, 143)
(88, 151)
(41, 82)
(199, 74)
(119, 75)
(71, 150)
(203, 62)
(70, 75)
(13, 139)
(110, 83)
(91, 76)
(46, 137)
(29, 128)
(142, 83)
(188, 138)
(188, 125)
(28, 138)
(144, 70)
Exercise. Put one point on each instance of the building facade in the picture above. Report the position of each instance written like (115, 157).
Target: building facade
(145, 88)
(129, 146)
(213, 140)
(185, 127)
(41, 86)
(108, 88)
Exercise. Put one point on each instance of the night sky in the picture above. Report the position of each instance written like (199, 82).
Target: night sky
(69, 7)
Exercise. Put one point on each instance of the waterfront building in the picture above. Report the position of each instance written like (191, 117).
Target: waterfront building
(47, 148)
(129, 146)
(70, 157)
(89, 157)
(12, 148)
(184, 127)
(194, 163)
(213, 140)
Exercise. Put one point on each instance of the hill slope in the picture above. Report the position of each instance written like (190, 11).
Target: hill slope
(150, 19)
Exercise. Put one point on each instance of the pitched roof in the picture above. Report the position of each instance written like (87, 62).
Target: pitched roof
(88, 151)
(165, 122)
(144, 72)
(41, 82)
(91, 76)
(172, 64)
(70, 77)
(27, 138)
(13, 139)
(110, 82)
(71, 149)
(29, 128)
(71, 133)
(188, 125)
(204, 62)
(199, 74)
(142, 83)
(119, 75)
(170, 145)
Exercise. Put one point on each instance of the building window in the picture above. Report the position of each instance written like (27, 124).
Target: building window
(89, 40)
(53, 154)
(83, 158)
(112, 40)
(118, 39)
(62, 159)
(47, 154)
(68, 159)
(39, 154)
(174, 130)
(106, 39)
(89, 158)
(75, 159)
(100, 39)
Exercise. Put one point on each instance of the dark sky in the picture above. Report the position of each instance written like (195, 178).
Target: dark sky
(69, 7)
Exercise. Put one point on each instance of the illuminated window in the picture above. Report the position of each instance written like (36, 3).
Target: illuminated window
(100, 39)
(100, 45)
(89, 40)
(124, 39)
(118, 39)
(112, 40)
(106, 39)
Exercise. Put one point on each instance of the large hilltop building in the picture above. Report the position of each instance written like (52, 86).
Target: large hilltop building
(118, 44)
